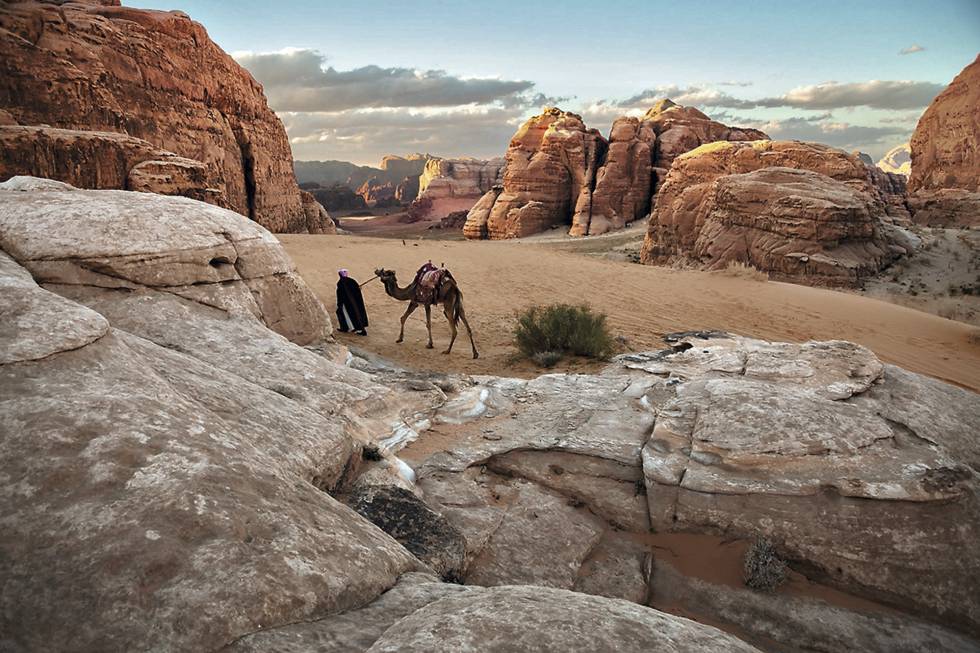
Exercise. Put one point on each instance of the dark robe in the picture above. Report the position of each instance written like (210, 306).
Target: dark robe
(349, 297)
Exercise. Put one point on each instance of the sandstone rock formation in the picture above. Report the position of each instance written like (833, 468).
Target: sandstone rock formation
(407, 190)
(463, 178)
(682, 129)
(170, 463)
(151, 75)
(945, 147)
(89, 159)
(338, 197)
(318, 221)
(897, 160)
(799, 211)
(551, 160)
(378, 193)
(115, 240)
(859, 472)
(393, 169)
(945, 150)
(559, 172)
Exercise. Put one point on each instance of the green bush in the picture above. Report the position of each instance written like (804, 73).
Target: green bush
(546, 333)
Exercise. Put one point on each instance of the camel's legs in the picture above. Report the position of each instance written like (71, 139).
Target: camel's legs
(411, 308)
(428, 324)
(448, 309)
(469, 331)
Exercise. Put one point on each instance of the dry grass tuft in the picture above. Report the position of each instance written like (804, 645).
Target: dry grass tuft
(740, 270)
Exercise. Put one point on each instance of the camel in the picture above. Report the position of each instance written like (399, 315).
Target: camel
(447, 293)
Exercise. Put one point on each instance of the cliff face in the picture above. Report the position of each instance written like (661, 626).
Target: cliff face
(558, 171)
(802, 212)
(155, 76)
(946, 143)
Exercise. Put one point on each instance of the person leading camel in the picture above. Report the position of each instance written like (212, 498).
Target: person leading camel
(351, 314)
(431, 286)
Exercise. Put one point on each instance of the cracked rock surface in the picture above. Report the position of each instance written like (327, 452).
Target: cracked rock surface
(863, 474)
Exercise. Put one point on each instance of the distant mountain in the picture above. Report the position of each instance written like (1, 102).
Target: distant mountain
(898, 160)
(393, 170)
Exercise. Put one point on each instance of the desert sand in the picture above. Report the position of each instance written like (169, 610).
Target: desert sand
(642, 303)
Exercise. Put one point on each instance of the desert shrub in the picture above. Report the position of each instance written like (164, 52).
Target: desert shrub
(547, 358)
(741, 270)
(762, 568)
(546, 333)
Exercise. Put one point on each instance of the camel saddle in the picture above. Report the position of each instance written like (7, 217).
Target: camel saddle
(427, 281)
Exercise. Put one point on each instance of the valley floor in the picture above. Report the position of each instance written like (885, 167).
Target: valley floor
(642, 302)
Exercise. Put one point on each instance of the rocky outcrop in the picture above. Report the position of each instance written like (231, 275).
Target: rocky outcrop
(945, 150)
(459, 178)
(559, 172)
(115, 240)
(681, 129)
(858, 472)
(103, 160)
(799, 211)
(623, 184)
(338, 197)
(407, 190)
(945, 147)
(551, 161)
(154, 76)
(318, 221)
(897, 160)
(171, 463)
(377, 193)
(946, 208)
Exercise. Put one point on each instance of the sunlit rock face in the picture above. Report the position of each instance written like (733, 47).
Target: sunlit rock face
(945, 147)
(156, 77)
(559, 172)
(897, 160)
(800, 211)
(945, 179)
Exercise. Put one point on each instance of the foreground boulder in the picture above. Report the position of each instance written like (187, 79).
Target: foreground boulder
(171, 462)
(208, 255)
(97, 66)
(800, 211)
(625, 484)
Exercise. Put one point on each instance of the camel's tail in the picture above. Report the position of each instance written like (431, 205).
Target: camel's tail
(458, 307)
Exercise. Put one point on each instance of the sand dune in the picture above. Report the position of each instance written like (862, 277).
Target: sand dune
(642, 302)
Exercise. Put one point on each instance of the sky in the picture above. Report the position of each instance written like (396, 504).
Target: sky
(354, 81)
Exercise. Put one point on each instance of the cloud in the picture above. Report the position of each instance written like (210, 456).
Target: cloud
(912, 49)
(875, 140)
(299, 80)
(365, 135)
(874, 94)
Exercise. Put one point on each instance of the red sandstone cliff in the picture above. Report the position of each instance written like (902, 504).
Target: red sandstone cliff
(152, 75)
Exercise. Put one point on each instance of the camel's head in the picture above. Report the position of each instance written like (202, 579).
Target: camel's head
(385, 275)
